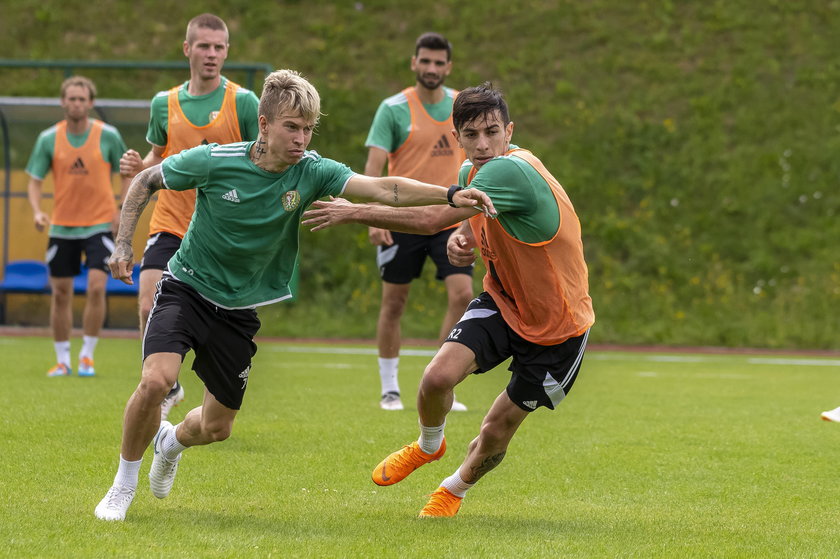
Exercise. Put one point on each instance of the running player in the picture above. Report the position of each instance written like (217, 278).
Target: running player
(535, 308)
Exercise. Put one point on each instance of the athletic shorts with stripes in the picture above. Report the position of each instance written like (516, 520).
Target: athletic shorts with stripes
(64, 256)
(403, 261)
(159, 249)
(541, 375)
(222, 339)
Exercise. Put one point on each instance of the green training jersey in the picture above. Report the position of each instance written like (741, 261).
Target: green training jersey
(527, 208)
(201, 109)
(242, 243)
(111, 146)
(392, 121)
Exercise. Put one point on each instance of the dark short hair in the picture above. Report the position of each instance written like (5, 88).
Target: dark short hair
(433, 41)
(478, 101)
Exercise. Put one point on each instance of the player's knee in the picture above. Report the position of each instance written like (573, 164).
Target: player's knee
(153, 388)
(62, 295)
(435, 379)
(493, 435)
(96, 292)
(144, 307)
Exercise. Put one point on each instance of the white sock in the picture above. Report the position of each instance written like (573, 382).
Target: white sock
(171, 448)
(456, 485)
(388, 367)
(88, 345)
(431, 438)
(62, 352)
(127, 473)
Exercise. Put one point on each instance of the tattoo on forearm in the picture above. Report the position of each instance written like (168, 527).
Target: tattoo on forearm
(488, 464)
(137, 198)
(396, 194)
(259, 149)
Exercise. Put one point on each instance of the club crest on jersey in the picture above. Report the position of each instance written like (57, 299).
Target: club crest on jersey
(213, 115)
(291, 200)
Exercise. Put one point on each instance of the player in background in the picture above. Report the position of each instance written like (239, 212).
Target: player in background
(239, 253)
(83, 154)
(535, 308)
(412, 132)
(208, 108)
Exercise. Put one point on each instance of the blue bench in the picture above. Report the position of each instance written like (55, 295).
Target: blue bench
(32, 276)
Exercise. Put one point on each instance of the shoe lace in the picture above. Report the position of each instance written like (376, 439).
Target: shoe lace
(117, 496)
(410, 456)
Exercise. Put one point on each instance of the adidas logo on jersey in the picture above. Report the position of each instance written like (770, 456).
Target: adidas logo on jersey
(442, 147)
(530, 403)
(78, 167)
(231, 196)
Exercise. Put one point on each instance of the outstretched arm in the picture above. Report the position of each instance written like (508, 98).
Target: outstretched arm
(401, 191)
(424, 220)
(146, 183)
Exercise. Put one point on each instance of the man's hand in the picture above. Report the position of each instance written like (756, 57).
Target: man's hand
(42, 220)
(474, 198)
(380, 237)
(459, 249)
(322, 213)
(130, 163)
(121, 263)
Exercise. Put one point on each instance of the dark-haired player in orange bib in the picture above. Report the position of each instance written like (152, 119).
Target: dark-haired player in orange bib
(412, 130)
(535, 306)
(207, 109)
(83, 154)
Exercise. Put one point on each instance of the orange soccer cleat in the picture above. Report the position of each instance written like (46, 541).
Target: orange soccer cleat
(399, 464)
(442, 503)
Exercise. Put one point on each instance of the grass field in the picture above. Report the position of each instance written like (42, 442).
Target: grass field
(652, 455)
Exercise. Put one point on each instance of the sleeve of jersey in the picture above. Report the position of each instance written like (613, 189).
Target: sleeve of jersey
(41, 158)
(156, 133)
(247, 109)
(381, 130)
(113, 147)
(507, 186)
(188, 169)
(333, 177)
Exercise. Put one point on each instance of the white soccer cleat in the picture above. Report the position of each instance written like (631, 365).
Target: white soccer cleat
(115, 503)
(162, 473)
(391, 401)
(831, 415)
(458, 406)
(170, 402)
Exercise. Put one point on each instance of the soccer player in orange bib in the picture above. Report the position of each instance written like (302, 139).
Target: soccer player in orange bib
(83, 154)
(535, 306)
(208, 108)
(412, 131)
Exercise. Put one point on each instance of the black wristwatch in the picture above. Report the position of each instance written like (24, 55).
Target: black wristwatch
(451, 193)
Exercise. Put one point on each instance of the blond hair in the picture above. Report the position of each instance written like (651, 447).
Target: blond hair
(208, 21)
(286, 92)
(80, 81)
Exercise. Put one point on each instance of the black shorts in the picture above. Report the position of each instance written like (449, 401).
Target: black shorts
(542, 375)
(403, 261)
(64, 256)
(159, 249)
(223, 340)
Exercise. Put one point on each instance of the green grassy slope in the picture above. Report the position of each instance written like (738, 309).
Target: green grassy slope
(697, 141)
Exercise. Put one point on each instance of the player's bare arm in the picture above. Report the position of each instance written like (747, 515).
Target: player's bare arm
(423, 220)
(401, 191)
(131, 163)
(144, 185)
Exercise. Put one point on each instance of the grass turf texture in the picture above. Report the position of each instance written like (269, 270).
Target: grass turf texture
(702, 456)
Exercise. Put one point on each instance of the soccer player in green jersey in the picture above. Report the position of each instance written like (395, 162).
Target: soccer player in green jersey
(238, 253)
(535, 306)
